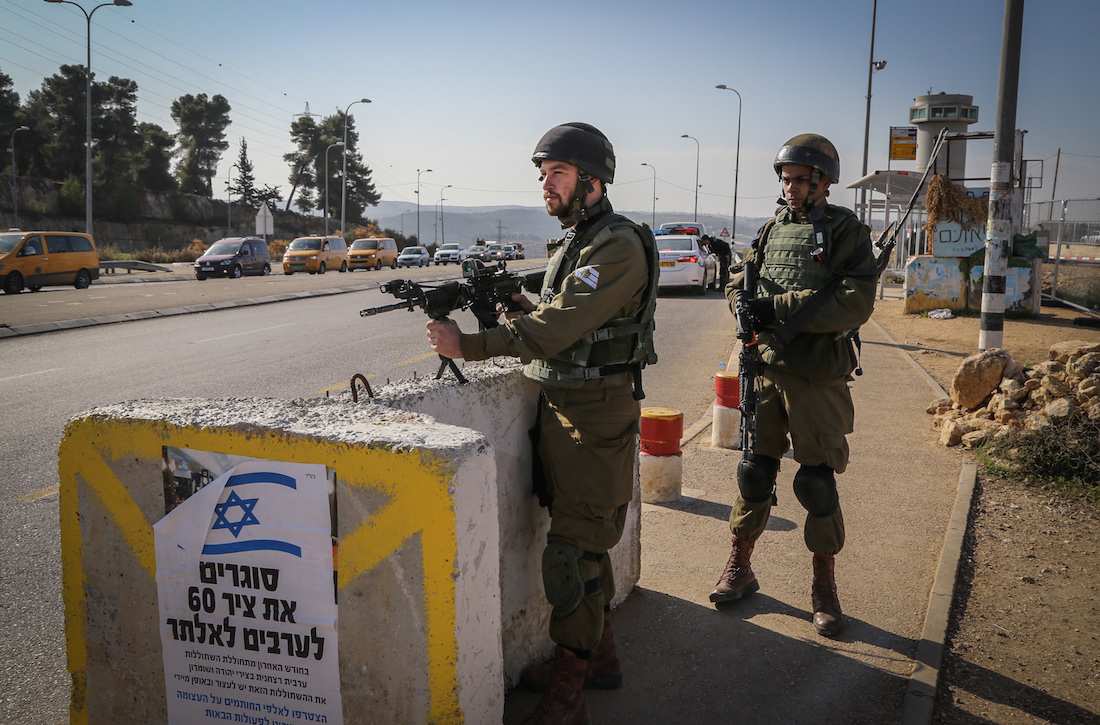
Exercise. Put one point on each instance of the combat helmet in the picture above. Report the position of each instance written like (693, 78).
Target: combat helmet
(580, 144)
(810, 149)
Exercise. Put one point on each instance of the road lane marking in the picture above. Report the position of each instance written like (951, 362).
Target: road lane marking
(39, 494)
(346, 385)
(27, 375)
(246, 332)
(410, 361)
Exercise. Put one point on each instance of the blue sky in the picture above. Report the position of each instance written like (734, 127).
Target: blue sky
(466, 89)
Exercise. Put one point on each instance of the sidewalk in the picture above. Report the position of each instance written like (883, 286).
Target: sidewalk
(758, 660)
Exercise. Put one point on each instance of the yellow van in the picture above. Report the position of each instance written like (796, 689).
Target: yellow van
(315, 255)
(35, 259)
(373, 253)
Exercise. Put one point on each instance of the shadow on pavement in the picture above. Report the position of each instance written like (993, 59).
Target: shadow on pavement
(686, 663)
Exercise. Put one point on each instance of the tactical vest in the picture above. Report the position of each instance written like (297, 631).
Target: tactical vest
(619, 345)
(784, 251)
(788, 264)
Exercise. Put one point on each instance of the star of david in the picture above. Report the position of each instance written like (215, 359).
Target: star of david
(247, 518)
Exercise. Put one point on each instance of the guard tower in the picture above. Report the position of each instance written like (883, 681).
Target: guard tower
(943, 110)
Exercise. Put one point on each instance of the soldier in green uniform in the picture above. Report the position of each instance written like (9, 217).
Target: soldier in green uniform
(816, 287)
(585, 343)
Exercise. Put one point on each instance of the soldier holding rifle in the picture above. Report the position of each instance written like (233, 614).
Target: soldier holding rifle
(815, 288)
(585, 343)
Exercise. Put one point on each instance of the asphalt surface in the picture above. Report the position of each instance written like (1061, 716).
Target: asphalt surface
(905, 500)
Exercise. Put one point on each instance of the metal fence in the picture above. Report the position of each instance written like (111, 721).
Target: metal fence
(1070, 230)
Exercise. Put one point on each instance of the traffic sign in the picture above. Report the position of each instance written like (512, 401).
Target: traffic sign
(265, 222)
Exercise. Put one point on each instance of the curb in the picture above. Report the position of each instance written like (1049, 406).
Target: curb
(919, 704)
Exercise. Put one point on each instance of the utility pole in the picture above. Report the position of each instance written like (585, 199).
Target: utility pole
(500, 239)
(999, 226)
(1053, 188)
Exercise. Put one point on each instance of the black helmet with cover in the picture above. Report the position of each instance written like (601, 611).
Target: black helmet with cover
(810, 149)
(580, 144)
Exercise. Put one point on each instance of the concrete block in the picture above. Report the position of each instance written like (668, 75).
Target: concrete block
(438, 580)
(500, 403)
(417, 583)
(1023, 285)
(933, 283)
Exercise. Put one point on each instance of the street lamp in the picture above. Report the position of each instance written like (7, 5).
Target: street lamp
(330, 148)
(872, 66)
(653, 218)
(344, 173)
(14, 190)
(696, 175)
(88, 109)
(418, 173)
(736, 161)
(441, 200)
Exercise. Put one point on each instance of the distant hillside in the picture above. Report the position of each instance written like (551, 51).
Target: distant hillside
(526, 224)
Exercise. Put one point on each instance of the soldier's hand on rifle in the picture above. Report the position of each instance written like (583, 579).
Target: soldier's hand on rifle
(444, 338)
(525, 306)
(762, 310)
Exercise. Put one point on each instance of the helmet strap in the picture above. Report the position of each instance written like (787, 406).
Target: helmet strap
(811, 198)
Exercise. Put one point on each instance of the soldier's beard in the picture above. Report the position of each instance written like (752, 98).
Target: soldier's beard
(560, 205)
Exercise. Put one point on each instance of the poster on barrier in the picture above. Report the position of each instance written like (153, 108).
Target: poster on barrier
(246, 590)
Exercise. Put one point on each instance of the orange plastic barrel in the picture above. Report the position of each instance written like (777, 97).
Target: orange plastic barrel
(662, 429)
(727, 389)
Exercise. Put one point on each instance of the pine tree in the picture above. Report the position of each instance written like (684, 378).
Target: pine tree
(244, 187)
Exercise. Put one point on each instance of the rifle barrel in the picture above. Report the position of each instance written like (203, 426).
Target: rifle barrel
(371, 311)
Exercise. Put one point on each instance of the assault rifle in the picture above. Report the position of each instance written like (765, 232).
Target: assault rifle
(481, 290)
(889, 237)
(747, 359)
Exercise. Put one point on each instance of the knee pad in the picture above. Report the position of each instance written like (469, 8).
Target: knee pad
(756, 477)
(815, 488)
(562, 580)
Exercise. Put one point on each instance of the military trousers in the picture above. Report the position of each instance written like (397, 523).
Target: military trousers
(588, 446)
(814, 418)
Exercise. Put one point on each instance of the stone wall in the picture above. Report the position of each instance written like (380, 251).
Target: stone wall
(167, 220)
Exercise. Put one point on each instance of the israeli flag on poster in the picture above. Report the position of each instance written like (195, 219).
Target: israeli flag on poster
(257, 506)
(245, 588)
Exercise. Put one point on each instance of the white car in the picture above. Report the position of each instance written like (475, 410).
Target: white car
(510, 252)
(413, 257)
(448, 253)
(496, 252)
(685, 264)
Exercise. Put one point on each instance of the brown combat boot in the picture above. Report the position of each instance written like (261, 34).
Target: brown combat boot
(563, 702)
(604, 671)
(737, 580)
(828, 619)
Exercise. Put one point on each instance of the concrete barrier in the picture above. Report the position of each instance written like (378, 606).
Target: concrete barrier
(500, 404)
(437, 586)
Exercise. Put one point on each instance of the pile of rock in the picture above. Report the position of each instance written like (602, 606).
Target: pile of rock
(991, 393)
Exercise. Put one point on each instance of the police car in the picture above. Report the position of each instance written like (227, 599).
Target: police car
(684, 262)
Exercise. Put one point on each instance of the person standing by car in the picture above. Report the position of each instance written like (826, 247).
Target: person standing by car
(722, 251)
(816, 287)
(585, 343)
